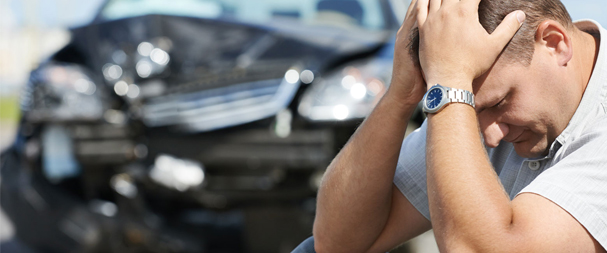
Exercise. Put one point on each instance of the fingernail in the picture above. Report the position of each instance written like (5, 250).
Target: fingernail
(521, 17)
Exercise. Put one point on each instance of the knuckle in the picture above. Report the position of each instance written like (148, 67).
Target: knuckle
(445, 14)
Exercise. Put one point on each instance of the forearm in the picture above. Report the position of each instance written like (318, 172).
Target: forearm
(468, 206)
(355, 195)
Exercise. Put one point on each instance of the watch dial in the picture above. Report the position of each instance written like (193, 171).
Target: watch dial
(434, 98)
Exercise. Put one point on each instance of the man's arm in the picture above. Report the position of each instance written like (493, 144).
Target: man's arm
(357, 199)
(469, 208)
(404, 223)
(358, 206)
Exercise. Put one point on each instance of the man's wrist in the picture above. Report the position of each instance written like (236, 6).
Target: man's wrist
(457, 83)
(405, 106)
(440, 96)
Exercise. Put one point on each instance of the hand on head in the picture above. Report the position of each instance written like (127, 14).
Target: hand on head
(407, 81)
(454, 47)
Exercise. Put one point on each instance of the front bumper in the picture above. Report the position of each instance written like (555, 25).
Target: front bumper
(257, 196)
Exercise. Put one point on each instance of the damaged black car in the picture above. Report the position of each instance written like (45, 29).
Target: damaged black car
(193, 125)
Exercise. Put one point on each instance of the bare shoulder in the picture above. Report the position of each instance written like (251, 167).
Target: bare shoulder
(544, 226)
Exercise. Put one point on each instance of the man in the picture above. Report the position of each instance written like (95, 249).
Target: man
(540, 105)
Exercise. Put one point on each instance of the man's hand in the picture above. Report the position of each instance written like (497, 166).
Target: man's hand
(454, 47)
(408, 85)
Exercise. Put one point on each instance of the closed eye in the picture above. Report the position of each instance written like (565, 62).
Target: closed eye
(500, 103)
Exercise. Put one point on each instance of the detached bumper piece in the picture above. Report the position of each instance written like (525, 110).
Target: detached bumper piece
(250, 166)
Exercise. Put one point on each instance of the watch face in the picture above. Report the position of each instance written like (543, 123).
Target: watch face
(434, 98)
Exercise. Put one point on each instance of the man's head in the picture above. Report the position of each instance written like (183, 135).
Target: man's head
(529, 95)
(521, 47)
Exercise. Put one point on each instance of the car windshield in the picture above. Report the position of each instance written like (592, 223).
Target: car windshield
(366, 14)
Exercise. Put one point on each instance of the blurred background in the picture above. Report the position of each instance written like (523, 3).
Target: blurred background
(184, 126)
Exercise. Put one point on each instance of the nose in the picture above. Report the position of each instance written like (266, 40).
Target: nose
(494, 132)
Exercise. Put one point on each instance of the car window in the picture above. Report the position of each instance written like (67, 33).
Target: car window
(366, 14)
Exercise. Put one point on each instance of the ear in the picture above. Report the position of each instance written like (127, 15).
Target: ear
(555, 38)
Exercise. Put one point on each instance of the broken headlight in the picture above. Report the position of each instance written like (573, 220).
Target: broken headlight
(348, 93)
(62, 92)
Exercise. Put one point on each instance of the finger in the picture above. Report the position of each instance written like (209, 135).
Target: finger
(435, 5)
(411, 7)
(474, 4)
(410, 19)
(506, 30)
(450, 2)
(422, 11)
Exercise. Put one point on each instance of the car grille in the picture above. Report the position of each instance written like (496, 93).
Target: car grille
(221, 107)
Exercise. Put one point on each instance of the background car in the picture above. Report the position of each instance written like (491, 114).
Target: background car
(193, 126)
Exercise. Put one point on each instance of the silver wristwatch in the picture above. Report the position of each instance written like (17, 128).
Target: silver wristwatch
(438, 96)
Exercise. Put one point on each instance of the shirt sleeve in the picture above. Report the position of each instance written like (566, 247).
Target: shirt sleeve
(410, 176)
(578, 182)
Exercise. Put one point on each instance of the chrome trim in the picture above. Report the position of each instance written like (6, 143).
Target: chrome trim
(222, 107)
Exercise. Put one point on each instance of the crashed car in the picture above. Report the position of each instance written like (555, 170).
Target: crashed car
(191, 125)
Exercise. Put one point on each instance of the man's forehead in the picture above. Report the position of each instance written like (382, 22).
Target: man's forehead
(488, 91)
(503, 73)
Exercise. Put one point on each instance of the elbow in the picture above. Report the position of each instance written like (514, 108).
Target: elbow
(325, 243)
(322, 242)
(325, 233)
(322, 245)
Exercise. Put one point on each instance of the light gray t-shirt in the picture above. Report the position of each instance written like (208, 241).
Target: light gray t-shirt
(573, 174)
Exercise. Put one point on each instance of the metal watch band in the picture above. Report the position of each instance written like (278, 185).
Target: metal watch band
(460, 96)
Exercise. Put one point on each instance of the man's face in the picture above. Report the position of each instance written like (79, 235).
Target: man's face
(528, 106)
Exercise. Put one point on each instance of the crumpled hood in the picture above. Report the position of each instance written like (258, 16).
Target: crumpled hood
(220, 73)
(203, 48)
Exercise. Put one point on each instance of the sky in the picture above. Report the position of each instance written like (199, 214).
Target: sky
(48, 13)
(593, 9)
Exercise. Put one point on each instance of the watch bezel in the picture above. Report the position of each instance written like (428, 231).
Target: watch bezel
(442, 102)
